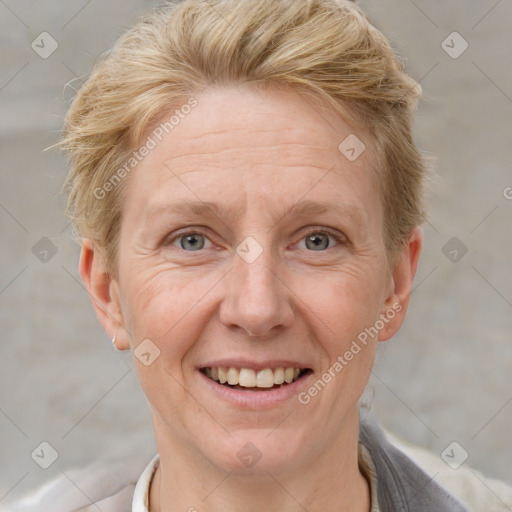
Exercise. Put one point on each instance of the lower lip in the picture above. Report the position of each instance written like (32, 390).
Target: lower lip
(256, 399)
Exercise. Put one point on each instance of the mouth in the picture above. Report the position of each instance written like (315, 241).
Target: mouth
(248, 379)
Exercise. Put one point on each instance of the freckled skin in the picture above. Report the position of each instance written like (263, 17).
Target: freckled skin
(259, 153)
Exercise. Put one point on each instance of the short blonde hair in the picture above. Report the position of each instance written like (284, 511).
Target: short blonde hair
(326, 48)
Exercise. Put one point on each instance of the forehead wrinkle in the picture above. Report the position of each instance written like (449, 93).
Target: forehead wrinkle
(286, 148)
(287, 135)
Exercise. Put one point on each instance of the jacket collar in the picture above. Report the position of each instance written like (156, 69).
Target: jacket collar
(402, 486)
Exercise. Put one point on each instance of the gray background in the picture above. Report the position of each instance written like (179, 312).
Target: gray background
(446, 376)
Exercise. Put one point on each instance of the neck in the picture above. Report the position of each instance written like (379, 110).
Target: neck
(181, 483)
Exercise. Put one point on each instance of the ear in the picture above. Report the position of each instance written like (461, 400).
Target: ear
(104, 293)
(397, 302)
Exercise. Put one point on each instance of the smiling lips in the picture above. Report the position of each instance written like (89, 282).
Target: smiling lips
(266, 378)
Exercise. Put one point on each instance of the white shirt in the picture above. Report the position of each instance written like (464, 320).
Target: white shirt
(141, 493)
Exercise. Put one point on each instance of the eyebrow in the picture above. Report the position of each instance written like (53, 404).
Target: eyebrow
(302, 208)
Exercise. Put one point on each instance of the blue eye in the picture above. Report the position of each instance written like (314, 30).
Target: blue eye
(192, 241)
(320, 240)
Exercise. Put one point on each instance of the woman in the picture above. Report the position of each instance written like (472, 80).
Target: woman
(248, 199)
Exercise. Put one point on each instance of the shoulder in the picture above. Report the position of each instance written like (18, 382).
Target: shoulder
(107, 486)
(408, 473)
(470, 486)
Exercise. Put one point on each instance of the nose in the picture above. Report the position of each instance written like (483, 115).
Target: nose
(257, 299)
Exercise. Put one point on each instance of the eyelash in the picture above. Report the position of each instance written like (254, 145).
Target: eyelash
(339, 239)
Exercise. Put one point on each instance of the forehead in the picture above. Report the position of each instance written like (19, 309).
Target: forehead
(282, 123)
(243, 143)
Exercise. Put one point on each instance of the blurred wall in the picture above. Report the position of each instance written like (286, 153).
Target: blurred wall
(445, 377)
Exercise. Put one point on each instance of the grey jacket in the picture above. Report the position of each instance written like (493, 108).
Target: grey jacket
(401, 485)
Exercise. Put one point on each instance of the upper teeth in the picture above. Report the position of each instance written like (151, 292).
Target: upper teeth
(249, 378)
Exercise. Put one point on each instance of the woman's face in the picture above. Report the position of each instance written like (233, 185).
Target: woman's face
(250, 240)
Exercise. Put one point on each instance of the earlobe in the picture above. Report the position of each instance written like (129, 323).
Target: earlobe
(397, 302)
(100, 287)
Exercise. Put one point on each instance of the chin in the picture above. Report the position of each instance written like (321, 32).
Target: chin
(254, 452)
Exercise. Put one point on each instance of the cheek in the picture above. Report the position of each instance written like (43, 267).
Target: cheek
(165, 305)
(347, 311)
(343, 303)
